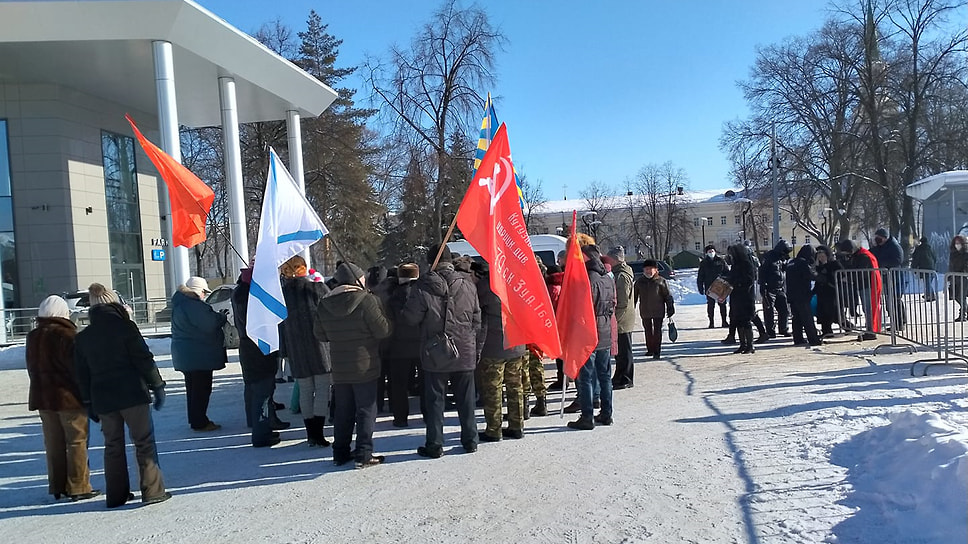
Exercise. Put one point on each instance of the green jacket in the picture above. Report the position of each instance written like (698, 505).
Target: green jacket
(353, 322)
(624, 308)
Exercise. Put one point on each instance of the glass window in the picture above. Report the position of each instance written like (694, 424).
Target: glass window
(698, 246)
(792, 218)
(793, 240)
(766, 241)
(123, 215)
(695, 221)
(736, 219)
(806, 240)
(8, 246)
(722, 219)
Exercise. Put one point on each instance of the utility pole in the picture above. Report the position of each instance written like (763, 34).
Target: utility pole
(775, 174)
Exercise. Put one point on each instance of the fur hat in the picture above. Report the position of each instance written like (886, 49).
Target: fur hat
(407, 272)
(98, 294)
(295, 267)
(54, 306)
(650, 263)
(592, 252)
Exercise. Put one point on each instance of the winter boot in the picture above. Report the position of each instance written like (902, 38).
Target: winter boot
(527, 413)
(320, 435)
(748, 331)
(722, 314)
(540, 407)
(582, 424)
(731, 338)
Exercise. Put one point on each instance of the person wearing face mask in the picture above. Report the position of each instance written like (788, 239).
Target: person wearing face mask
(826, 290)
(712, 267)
(958, 262)
(887, 250)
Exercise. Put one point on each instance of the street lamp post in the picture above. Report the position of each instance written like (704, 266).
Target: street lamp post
(703, 223)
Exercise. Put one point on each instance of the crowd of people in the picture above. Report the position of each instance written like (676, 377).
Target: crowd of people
(362, 338)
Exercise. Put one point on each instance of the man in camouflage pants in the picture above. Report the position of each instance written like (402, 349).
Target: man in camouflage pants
(499, 367)
(533, 381)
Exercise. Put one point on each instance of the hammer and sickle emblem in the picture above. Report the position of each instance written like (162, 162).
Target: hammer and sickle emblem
(500, 181)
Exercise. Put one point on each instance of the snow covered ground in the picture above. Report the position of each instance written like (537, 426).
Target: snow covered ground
(830, 444)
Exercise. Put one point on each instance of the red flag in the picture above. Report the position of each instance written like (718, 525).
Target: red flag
(576, 312)
(490, 219)
(876, 287)
(190, 198)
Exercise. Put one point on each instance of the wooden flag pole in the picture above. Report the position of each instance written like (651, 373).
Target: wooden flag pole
(443, 244)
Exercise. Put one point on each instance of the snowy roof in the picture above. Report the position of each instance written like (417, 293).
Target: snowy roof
(622, 201)
(927, 187)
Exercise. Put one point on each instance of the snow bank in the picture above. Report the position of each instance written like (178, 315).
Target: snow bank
(910, 480)
(684, 288)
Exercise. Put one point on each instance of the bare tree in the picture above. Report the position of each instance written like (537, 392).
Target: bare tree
(598, 201)
(532, 193)
(663, 213)
(433, 89)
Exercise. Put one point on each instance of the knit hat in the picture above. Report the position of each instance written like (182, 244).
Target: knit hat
(882, 232)
(445, 256)
(54, 306)
(407, 272)
(617, 253)
(709, 247)
(98, 294)
(199, 286)
(650, 263)
(349, 274)
(846, 246)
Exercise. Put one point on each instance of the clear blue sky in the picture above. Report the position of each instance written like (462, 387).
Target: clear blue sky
(589, 90)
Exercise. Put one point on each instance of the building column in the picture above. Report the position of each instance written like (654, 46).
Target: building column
(177, 263)
(233, 172)
(294, 131)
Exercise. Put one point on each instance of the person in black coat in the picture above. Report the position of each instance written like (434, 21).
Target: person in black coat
(711, 267)
(115, 373)
(771, 280)
(445, 286)
(825, 288)
(889, 254)
(403, 346)
(742, 305)
(800, 275)
(307, 352)
(258, 372)
(923, 258)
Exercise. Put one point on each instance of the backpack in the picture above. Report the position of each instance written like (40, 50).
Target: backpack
(439, 352)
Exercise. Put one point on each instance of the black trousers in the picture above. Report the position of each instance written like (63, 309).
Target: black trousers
(624, 369)
(711, 310)
(653, 334)
(198, 391)
(355, 407)
(260, 410)
(803, 321)
(435, 389)
(775, 298)
(401, 372)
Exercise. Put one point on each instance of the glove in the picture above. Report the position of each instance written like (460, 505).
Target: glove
(159, 397)
(92, 415)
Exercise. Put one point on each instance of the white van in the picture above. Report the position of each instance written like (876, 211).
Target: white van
(546, 246)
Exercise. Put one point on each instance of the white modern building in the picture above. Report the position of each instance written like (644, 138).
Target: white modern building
(79, 200)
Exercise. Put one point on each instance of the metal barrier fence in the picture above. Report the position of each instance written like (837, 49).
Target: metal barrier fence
(152, 317)
(904, 304)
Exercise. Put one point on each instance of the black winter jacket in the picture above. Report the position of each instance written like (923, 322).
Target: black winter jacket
(114, 367)
(256, 366)
(709, 270)
(197, 340)
(603, 299)
(307, 352)
(426, 309)
(493, 327)
(800, 274)
(771, 272)
(353, 322)
(404, 343)
(889, 254)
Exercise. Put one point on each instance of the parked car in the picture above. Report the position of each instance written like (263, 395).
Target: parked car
(665, 270)
(79, 303)
(221, 301)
